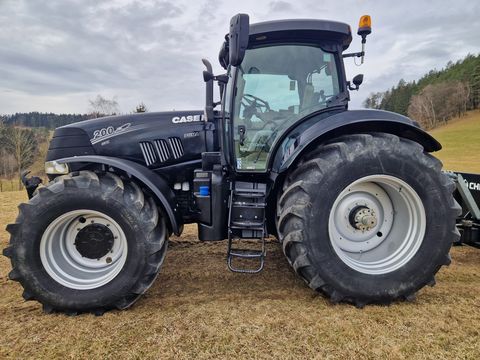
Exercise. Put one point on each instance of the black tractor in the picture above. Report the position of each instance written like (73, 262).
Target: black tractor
(362, 210)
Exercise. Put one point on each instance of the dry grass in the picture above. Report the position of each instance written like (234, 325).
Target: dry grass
(197, 309)
(9, 185)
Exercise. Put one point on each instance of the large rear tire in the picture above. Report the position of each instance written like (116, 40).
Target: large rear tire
(87, 242)
(367, 218)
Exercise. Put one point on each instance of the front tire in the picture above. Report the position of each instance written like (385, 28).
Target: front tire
(367, 218)
(87, 242)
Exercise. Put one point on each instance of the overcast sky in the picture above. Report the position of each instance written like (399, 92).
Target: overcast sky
(57, 54)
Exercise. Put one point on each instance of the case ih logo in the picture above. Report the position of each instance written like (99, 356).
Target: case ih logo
(187, 119)
(473, 185)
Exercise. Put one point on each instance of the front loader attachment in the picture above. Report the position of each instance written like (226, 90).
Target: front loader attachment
(468, 196)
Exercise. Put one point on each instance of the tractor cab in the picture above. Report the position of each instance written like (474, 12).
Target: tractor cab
(283, 73)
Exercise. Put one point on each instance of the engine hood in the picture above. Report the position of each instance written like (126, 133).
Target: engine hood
(156, 138)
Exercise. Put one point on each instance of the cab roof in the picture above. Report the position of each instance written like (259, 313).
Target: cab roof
(300, 30)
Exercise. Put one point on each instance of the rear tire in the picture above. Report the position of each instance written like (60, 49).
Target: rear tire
(87, 242)
(367, 218)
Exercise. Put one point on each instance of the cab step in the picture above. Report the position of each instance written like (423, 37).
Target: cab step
(247, 221)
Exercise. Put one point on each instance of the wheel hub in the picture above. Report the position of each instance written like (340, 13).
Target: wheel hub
(94, 241)
(363, 218)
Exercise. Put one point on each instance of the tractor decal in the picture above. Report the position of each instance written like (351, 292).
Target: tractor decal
(109, 132)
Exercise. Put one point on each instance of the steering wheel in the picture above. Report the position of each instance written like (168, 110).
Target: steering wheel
(255, 102)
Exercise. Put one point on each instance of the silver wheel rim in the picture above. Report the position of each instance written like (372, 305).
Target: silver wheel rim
(377, 224)
(66, 265)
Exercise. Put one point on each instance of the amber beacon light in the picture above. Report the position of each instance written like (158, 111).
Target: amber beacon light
(364, 25)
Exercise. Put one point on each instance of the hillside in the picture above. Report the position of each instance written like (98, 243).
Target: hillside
(436, 97)
(460, 139)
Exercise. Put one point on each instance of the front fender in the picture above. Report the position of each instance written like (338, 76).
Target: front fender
(156, 184)
(319, 130)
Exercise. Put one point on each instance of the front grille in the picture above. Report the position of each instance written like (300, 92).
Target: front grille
(176, 146)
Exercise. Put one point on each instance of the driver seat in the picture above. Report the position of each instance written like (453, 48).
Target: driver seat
(308, 99)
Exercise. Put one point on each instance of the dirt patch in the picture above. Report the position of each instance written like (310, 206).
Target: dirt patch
(197, 309)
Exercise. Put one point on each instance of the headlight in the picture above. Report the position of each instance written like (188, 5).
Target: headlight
(55, 168)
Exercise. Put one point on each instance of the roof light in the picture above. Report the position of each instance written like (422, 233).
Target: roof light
(364, 25)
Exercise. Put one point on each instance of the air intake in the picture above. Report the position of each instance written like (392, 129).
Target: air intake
(162, 150)
(176, 146)
(148, 153)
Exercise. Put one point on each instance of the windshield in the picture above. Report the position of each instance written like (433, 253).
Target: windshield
(275, 87)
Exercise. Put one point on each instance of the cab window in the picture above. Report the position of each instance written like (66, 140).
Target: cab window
(275, 87)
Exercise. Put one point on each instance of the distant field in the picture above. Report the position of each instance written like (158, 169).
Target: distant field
(461, 143)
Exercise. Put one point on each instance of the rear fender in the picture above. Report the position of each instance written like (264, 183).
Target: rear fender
(156, 184)
(315, 132)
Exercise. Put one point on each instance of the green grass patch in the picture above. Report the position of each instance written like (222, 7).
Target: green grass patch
(460, 139)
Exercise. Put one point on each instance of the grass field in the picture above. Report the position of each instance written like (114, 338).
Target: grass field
(197, 309)
(9, 185)
(461, 143)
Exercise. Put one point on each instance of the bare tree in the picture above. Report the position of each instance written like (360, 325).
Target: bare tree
(141, 108)
(22, 145)
(436, 104)
(101, 106)
(420, 110)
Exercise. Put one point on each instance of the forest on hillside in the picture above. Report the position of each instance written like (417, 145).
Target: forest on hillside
(437, 96)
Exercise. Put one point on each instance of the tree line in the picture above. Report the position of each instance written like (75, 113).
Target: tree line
(46, 120)
(98, 107)
(437, 96)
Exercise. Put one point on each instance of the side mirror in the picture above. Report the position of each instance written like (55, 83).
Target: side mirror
(223, 56)
(357, 81)
(238, 38)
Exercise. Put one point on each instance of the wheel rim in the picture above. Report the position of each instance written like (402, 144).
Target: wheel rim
(83, 249)
(377, 224)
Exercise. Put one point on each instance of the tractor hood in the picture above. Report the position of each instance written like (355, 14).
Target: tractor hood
(155, 139)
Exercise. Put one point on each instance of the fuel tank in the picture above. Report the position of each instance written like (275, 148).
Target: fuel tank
(156, 139)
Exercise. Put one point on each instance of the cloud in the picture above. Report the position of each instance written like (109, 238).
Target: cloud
(280, 6)
(55, 55)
